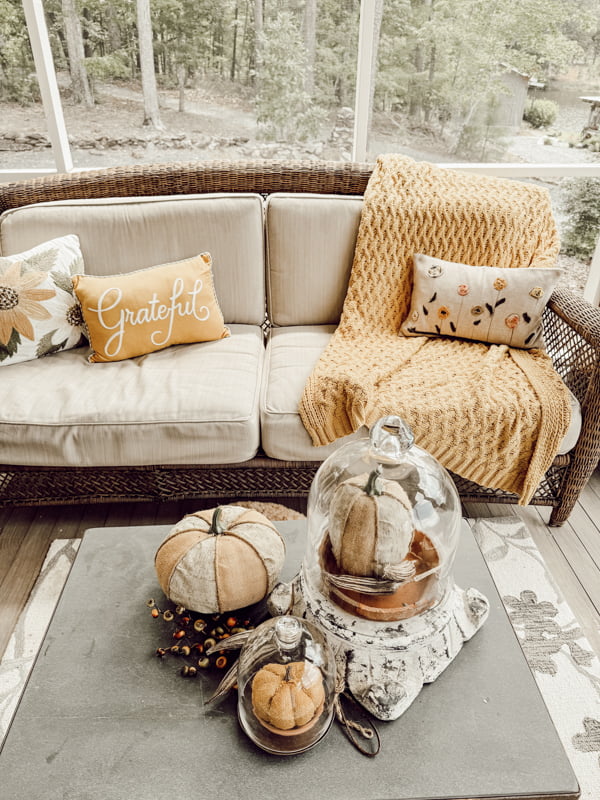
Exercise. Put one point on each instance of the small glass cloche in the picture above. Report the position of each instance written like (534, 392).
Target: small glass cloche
(383, 526)
(286, 685)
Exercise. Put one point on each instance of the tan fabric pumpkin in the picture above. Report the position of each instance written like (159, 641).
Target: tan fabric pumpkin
(220, 559)
(371, 527)
(287, 696)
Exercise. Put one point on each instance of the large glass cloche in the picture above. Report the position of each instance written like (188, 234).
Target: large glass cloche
(383, 526)
(286, 685)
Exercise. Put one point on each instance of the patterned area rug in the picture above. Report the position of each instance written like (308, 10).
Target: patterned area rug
(564, 665)
(27, 636)
(566, 669)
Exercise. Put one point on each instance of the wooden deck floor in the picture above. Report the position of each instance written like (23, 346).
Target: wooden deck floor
(572, 552)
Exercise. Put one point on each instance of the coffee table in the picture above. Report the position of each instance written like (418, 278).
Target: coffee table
(103, 719)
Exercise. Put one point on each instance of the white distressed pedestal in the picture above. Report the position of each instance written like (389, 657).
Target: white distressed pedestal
(385, 664)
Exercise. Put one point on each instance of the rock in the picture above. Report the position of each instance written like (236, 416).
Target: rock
(8, 145)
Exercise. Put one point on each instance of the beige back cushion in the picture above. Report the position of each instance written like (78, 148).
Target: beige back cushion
(310, 246)
(119, 235)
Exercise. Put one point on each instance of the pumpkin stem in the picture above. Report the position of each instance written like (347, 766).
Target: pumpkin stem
(215, 523)
(288, 673)
(372, 487)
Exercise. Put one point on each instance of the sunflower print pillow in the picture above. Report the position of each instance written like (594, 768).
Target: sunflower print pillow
(39, 314)
(484, 304)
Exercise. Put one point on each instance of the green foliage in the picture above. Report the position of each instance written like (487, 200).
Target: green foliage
(439, 62)
(113, 66)
(336, 47)
(581, 205)
(284, 109)
(541, 113)
(17, 77)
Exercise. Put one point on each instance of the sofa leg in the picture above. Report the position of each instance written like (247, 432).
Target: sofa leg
(573, 485)
(559, 515)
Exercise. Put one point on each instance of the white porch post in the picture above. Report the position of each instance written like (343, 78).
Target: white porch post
(364, 69)
(46, 75)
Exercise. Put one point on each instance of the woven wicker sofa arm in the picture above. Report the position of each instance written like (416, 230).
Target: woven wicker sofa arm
(580, 315)
(572, 334)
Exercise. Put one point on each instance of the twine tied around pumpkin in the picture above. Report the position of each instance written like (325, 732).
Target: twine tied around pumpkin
(394, 575)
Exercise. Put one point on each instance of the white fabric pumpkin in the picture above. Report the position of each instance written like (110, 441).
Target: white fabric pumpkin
(220, 559)
(371, 527)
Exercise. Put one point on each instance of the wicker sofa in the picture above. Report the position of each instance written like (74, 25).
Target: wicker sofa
(251, 442)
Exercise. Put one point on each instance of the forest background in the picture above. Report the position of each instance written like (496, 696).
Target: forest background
(276, 78)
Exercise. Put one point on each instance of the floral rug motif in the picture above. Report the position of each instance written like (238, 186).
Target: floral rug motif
(565, 667)
(29, 631)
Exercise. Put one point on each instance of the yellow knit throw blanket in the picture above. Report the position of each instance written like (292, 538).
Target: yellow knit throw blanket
(492, 414)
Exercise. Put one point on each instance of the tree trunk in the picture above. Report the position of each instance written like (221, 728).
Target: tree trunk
(73, 35)
(258, 34)
(234, 45)
(113, 31)
(309, 30)
(150, 92)
(181, 74)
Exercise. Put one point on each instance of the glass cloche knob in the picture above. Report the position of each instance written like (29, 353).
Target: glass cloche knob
(288, 633)
(390, 439)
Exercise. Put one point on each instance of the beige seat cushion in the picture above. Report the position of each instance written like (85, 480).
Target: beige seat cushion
(291, 354)
(188, 404)
(125, 234)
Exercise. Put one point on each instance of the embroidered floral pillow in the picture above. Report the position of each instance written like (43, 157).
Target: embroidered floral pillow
(486, 304)
(150, 309)
(38, 312)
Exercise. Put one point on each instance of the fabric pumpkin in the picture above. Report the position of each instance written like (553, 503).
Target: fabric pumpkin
(371, 527)
(220, 559)
(287, 696)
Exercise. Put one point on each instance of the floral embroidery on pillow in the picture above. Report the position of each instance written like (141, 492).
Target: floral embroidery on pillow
(38, 313)
(21, 301)
(504, 306)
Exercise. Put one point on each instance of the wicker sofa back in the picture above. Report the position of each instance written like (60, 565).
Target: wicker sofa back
(308, 252)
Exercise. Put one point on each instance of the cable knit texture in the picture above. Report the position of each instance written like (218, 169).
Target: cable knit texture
(492, 414)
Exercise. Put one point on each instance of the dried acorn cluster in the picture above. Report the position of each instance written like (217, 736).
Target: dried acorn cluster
(194, 634)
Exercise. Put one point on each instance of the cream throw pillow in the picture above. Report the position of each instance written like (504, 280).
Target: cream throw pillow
(150, 309)
(485, 304)
(38, 313)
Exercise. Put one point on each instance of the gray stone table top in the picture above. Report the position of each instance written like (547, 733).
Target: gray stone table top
(103, 719)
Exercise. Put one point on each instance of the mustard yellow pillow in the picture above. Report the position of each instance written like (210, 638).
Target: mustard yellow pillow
(150, 309)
